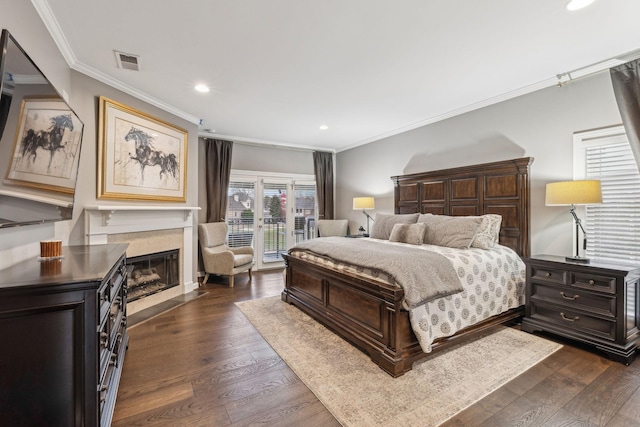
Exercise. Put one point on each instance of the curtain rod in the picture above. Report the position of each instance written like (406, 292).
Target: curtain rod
(597, 67)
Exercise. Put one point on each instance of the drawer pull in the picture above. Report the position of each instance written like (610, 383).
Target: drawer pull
(575, 297)
(592, 282)
(547, 274)
(568, 319)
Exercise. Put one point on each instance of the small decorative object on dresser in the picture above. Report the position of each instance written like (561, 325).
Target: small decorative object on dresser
(595, 303)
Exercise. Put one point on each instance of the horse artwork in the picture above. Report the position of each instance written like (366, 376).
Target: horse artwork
(50, 140)
(46, 152)
(140, 157)
(146, 155)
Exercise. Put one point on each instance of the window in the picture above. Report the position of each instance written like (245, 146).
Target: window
(613, 227)
(240, 212)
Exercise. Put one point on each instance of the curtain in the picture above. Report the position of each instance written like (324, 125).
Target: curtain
(323, 166)
(218, 169)
(626, 87)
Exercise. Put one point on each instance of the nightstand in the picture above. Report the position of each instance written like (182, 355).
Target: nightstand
(594, 303)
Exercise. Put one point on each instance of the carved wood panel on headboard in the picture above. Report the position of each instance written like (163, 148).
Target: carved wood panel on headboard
(498, 188)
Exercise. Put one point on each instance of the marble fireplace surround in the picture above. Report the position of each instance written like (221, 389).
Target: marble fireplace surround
(147, 229)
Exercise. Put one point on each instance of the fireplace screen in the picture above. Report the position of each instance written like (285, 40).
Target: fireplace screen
(152, 273)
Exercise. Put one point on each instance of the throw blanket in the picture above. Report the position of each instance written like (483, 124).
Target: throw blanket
(423, 275)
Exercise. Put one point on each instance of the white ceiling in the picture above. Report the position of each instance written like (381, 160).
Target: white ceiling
(278, 69)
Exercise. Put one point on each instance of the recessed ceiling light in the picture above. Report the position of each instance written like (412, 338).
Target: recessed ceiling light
(324, 127)
(578, 4)
(202, 88)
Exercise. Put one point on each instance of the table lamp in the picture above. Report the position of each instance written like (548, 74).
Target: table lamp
(364, 203)
(572, 193)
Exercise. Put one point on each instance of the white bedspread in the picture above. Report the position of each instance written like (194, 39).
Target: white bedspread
(493, 281)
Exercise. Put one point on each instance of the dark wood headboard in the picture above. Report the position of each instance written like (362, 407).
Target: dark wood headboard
(498, 188)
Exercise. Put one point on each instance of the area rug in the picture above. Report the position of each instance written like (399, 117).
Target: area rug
(358, 393)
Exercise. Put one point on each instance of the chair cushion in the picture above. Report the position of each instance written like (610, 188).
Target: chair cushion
(242, 259)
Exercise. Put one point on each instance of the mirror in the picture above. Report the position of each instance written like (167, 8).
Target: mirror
(40, 140)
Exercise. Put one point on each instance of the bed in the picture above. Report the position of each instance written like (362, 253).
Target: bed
(370, 311)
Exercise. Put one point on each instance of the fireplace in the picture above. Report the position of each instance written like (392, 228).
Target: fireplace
(148, 230)
(153, 273)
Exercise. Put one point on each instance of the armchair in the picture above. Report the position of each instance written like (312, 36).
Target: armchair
(220, 259)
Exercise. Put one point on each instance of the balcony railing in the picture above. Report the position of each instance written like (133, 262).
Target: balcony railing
(241, 233)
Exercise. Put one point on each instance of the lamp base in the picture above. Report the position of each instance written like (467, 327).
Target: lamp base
(577, 259)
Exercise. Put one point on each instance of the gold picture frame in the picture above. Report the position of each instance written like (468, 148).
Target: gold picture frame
(140, 157)
(46, 152)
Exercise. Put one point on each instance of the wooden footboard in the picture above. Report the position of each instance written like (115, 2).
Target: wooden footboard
(368, 314)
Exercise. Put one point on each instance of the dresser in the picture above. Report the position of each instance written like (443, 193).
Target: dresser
(63, 337)
(593, 303)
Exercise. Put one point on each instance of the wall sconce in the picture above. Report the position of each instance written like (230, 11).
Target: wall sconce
(364, 203)
(572, 193)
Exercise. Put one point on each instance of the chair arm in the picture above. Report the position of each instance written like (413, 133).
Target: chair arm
(242, 250)
(217, 262)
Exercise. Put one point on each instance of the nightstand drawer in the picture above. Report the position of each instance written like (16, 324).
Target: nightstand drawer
(565, 318)
(574, 299)
(593, 282)
(551, 275)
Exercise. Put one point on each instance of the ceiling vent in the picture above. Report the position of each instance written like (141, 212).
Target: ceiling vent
(127, 61)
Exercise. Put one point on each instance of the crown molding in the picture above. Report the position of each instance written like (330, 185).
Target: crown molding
(47, 16)
(265, 143)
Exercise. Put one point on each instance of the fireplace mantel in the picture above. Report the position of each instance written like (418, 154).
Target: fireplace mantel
(101, 221)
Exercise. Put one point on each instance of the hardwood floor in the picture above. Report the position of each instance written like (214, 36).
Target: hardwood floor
(203, 364)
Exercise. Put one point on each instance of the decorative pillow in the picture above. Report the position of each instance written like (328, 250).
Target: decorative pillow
(488, 232)
(408, 233)
(383, 224)
(450, 231)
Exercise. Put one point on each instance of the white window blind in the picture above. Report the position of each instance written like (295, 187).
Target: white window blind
(613, 227)
(240, 213)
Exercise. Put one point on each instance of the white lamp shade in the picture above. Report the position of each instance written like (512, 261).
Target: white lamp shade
(363, 203)
(565, 193)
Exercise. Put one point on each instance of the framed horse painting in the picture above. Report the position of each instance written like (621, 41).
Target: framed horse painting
(139, 157)
(46, 151)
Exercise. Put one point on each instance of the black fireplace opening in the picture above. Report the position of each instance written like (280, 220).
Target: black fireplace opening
(153, 273)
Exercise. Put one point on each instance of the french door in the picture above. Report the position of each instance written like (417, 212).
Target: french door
(270, 212)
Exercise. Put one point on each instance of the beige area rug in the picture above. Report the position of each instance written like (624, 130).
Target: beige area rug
(359, 393)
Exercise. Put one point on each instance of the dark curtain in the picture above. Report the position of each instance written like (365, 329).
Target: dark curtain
(626, 86)
(218, 170)
(323, 166)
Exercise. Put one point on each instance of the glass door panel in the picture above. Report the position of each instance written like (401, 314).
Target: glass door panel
(274, 222)
(241, 216)
(304, 227)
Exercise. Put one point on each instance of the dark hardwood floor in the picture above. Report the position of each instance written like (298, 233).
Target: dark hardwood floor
(203, 364)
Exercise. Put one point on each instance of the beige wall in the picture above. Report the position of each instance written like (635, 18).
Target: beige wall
(540, 125)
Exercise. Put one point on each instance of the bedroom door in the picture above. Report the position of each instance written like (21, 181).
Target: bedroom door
(270, 212)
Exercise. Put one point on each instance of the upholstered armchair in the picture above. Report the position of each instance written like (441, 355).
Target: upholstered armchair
(219, 258)
(332, 227)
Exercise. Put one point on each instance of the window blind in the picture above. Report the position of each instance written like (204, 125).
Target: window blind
(240, 213)
(613, 227)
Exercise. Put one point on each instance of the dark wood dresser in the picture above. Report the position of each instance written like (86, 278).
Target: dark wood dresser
(63, 337)
(594, 303)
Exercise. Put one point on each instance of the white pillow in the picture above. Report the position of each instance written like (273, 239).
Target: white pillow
(488, 232)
